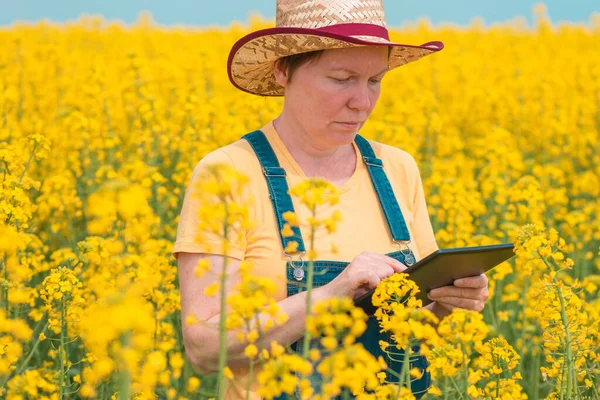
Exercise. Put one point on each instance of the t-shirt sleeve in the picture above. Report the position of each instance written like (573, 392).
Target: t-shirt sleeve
(189, 237)
(422, 227)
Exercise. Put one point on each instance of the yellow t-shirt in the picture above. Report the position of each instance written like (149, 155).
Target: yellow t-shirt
(363, 226)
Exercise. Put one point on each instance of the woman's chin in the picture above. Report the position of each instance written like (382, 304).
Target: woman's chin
(342, 139)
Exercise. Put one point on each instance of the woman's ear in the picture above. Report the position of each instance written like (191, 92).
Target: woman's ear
(281, 73)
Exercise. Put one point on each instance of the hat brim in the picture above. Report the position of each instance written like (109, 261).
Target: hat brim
(250, 62)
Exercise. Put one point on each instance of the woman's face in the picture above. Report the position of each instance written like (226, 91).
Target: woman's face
(331, 97)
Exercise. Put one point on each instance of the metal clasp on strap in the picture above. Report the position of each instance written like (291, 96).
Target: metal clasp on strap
(409, 257)
(375, 162)
(298, 269)
(273, 171)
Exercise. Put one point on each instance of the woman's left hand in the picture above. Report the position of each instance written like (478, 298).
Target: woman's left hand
(468, 293)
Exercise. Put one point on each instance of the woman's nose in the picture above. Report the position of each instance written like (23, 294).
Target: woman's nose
(360, 99)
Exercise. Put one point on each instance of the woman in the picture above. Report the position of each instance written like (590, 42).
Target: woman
(328, 59)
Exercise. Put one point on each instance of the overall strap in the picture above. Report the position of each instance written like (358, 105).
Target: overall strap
(277, 183)
(384, 191)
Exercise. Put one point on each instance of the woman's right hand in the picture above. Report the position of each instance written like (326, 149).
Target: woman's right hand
(363, 274)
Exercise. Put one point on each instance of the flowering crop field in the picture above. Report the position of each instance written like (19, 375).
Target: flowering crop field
(101, 126)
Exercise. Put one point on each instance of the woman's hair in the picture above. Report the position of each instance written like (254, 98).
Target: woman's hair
(293, 62)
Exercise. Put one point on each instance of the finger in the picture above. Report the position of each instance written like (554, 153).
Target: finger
(373, 280)
(395, 264)
(479, 281)
(384, 271)
(361, 290)
(453, 291)
(370, 277)
(459, 302)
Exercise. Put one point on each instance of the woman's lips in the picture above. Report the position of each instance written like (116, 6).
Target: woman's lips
(349, 125)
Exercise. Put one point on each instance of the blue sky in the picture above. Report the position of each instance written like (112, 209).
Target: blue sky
(221, 12)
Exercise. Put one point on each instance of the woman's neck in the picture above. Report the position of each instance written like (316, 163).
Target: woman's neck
(336, 164)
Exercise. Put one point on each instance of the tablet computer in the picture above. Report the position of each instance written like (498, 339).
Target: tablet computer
(444, 266)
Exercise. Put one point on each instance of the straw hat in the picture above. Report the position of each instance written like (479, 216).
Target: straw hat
(309, 25)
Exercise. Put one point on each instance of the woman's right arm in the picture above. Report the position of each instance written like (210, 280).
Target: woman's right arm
(201, 340)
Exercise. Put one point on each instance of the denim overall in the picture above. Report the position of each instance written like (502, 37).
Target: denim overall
(324, 270)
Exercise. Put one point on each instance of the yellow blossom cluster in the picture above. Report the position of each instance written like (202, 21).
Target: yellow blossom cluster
(63, 297)
(319, 197)
(33, 383)
(222, 192)
(252, 297)
(336, 322)
(283, 373)
(350, 369)
(570, 338)
(13, 333)
(123, 344)
(342, 366)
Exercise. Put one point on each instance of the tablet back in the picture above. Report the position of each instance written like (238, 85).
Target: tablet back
(447, 265)
(442, 267)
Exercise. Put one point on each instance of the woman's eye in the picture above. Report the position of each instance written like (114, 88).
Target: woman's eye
(340, 79)
(375, 81)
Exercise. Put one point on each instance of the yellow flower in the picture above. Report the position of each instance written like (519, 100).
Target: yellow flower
(252, 336)
(503, 316)
(191, 319)
(212, 289)
(352, 367)
(251, 351)
(193, 383)
(329, 342)
(314, 355)
(287, 231)
(202, 267)
(283, 373)
(291, 218)
(292, 247)
(472, 391)
(416, 373)
(434, 391)
(228, 373)
(276, 349)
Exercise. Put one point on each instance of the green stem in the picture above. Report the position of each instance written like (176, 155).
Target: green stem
(346, 395)
(124, 378)
(569, 360)
(465, 365)
(28, 162)
(458, 391)
(535, 374)
(251, 367)
(5, 294)
(35, 346)
(250, 372)
(309, 286)
(62, 348)
(497, 381)
(594, 390)
(523, 307)
(405, 372)
(223, 315)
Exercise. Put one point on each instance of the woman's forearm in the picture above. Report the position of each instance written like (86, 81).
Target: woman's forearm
(206, 345)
